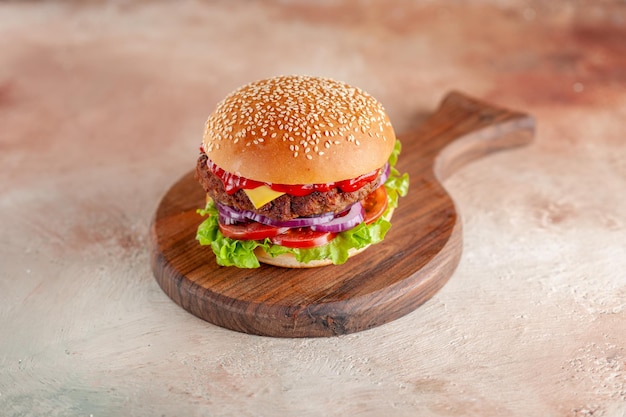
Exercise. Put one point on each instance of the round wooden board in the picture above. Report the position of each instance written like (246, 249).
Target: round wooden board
(383, 283)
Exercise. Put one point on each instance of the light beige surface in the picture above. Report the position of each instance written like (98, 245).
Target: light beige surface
(102, 108)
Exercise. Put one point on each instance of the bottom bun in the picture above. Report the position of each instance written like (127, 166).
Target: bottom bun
(287, 260)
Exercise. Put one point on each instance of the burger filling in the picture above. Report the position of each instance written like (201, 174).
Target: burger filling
(317, 225)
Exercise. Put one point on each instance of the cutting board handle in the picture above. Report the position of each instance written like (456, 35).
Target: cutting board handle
(464, 129)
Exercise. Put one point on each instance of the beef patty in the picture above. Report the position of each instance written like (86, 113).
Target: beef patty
(286, 206)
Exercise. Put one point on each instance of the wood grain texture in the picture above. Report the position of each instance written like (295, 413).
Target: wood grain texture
(386, 282)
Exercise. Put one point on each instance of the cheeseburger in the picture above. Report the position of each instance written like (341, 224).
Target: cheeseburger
(298, 172)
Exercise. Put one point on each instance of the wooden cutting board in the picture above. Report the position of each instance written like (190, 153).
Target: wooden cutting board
(385, 282)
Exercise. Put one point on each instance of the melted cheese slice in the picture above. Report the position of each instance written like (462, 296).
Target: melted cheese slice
(262, 195)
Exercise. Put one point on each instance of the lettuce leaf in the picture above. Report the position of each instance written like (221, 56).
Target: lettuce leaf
(240, 253)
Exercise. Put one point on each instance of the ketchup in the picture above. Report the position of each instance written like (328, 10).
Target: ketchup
(233, 183)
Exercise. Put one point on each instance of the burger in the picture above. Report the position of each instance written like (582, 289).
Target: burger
(298, 171)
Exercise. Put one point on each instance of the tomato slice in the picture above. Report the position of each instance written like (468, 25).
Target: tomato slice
(250, 231)
(302, 237)
(375, 204)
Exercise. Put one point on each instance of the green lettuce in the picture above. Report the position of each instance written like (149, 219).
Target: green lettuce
(240, 253)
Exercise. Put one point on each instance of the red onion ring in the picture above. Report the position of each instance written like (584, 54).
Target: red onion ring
(355, 215)
(230, 215)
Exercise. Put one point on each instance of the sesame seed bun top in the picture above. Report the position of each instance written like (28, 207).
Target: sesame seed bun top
(298, 130)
